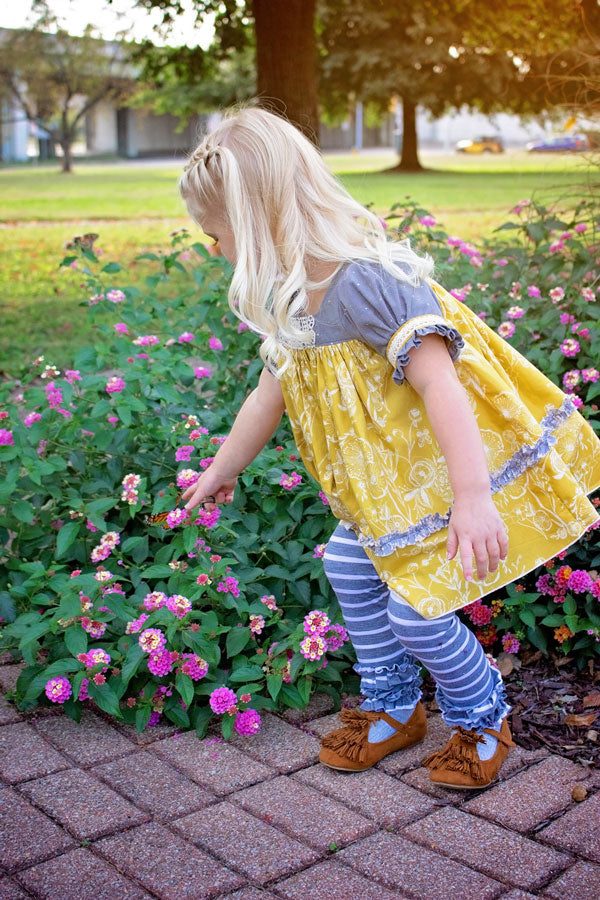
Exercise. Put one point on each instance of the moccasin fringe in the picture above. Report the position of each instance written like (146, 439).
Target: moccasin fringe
(351, 741)
(459, 754)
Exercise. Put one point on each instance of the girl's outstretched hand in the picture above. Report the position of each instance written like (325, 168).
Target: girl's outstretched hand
(209, 485)
(476, 528)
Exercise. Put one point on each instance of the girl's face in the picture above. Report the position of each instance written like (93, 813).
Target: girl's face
(215, 228)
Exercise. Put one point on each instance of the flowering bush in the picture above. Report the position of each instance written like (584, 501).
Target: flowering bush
(228, 613)
(109, 591)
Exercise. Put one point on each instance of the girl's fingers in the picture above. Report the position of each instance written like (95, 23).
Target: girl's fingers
(503, 543)
(493, 552)
(466, 558)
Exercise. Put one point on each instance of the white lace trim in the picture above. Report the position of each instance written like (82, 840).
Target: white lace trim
(306, 324)
(399, 339)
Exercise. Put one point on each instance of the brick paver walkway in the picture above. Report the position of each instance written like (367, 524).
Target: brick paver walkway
(94, 811)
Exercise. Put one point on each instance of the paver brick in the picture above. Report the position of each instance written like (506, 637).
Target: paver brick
(8, 712)
(26, 834)
(10, 891)
(251, 894)
(154, 785)
(151, 733)
(578, 830)
(437, 735)
(334, 881)
(419, 779)
(79, 875)
(422, 874)
(529, 797)
(304, 813)
(517, 894)
(319, 704)
(167, 864)
(91, 740)
(279, 745)
(258, 850)
(486, 847)
(212, 762)
(24, 754)
(371, 793)
(517, 759)
(82, 804)
(325, 724)
(9, 675)
(582, 881)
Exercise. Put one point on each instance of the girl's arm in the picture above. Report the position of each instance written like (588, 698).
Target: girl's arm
(475, 524)
(254, 425)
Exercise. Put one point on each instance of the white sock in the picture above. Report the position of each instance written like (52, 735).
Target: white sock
(380, 731)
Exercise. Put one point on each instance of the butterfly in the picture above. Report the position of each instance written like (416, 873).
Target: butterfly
(159, 518)
(82, 242)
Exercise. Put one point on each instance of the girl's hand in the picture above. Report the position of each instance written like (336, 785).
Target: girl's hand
(476, 527)
(209, 485)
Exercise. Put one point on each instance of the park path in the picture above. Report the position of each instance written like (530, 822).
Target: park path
(94, 810)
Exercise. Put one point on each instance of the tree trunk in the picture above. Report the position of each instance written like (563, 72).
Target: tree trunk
(409, 161)
(286, 61)
(67, 159)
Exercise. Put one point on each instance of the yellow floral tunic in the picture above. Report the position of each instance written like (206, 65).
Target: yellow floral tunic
(364, 435)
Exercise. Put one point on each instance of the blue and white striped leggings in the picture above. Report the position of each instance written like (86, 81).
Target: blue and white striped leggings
(389, 637)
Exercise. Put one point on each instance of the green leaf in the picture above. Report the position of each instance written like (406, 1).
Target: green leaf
(142, 717)
(112, 267)
(124, 413)
(190, 536)
(102, 505)
(573, 623)
(66, 537)
(105, 698)
(23, 510)
(185, 686)
(34, 632)
(274, 683)
(135, 654)
(178, 715)
(227, 723)
(569, 606)
(246, 673)
(527, 616)
(553, 620)
(157, 572)
(237, 640)
(201, 716)
(304, 688)
(536, 637)
(76, 639)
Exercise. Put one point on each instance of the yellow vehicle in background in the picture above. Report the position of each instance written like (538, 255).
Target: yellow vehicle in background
(481, 145)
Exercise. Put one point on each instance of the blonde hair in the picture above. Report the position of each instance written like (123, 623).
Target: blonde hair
(272, 188)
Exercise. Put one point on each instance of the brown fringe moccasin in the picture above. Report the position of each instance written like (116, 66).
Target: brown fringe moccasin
(458, 764)
(348, 748)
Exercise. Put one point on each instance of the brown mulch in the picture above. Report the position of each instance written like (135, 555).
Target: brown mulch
(554, 705)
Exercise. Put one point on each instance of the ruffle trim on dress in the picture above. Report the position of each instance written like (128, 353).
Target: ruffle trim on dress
(390, 687)
(447, 331)
(486, 715)
(524, 458)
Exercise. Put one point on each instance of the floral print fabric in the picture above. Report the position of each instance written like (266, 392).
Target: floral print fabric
(367, 440)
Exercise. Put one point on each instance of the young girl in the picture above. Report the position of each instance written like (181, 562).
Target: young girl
(432, 438)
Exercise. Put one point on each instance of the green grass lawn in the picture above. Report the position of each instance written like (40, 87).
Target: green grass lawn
(134, 206)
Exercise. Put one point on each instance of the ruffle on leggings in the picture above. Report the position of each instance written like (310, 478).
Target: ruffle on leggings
(487, 715)
(388, 687)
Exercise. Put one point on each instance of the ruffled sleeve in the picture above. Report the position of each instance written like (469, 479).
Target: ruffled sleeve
(392, 315)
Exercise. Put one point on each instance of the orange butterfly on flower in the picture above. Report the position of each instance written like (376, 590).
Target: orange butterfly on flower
(159, 518)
